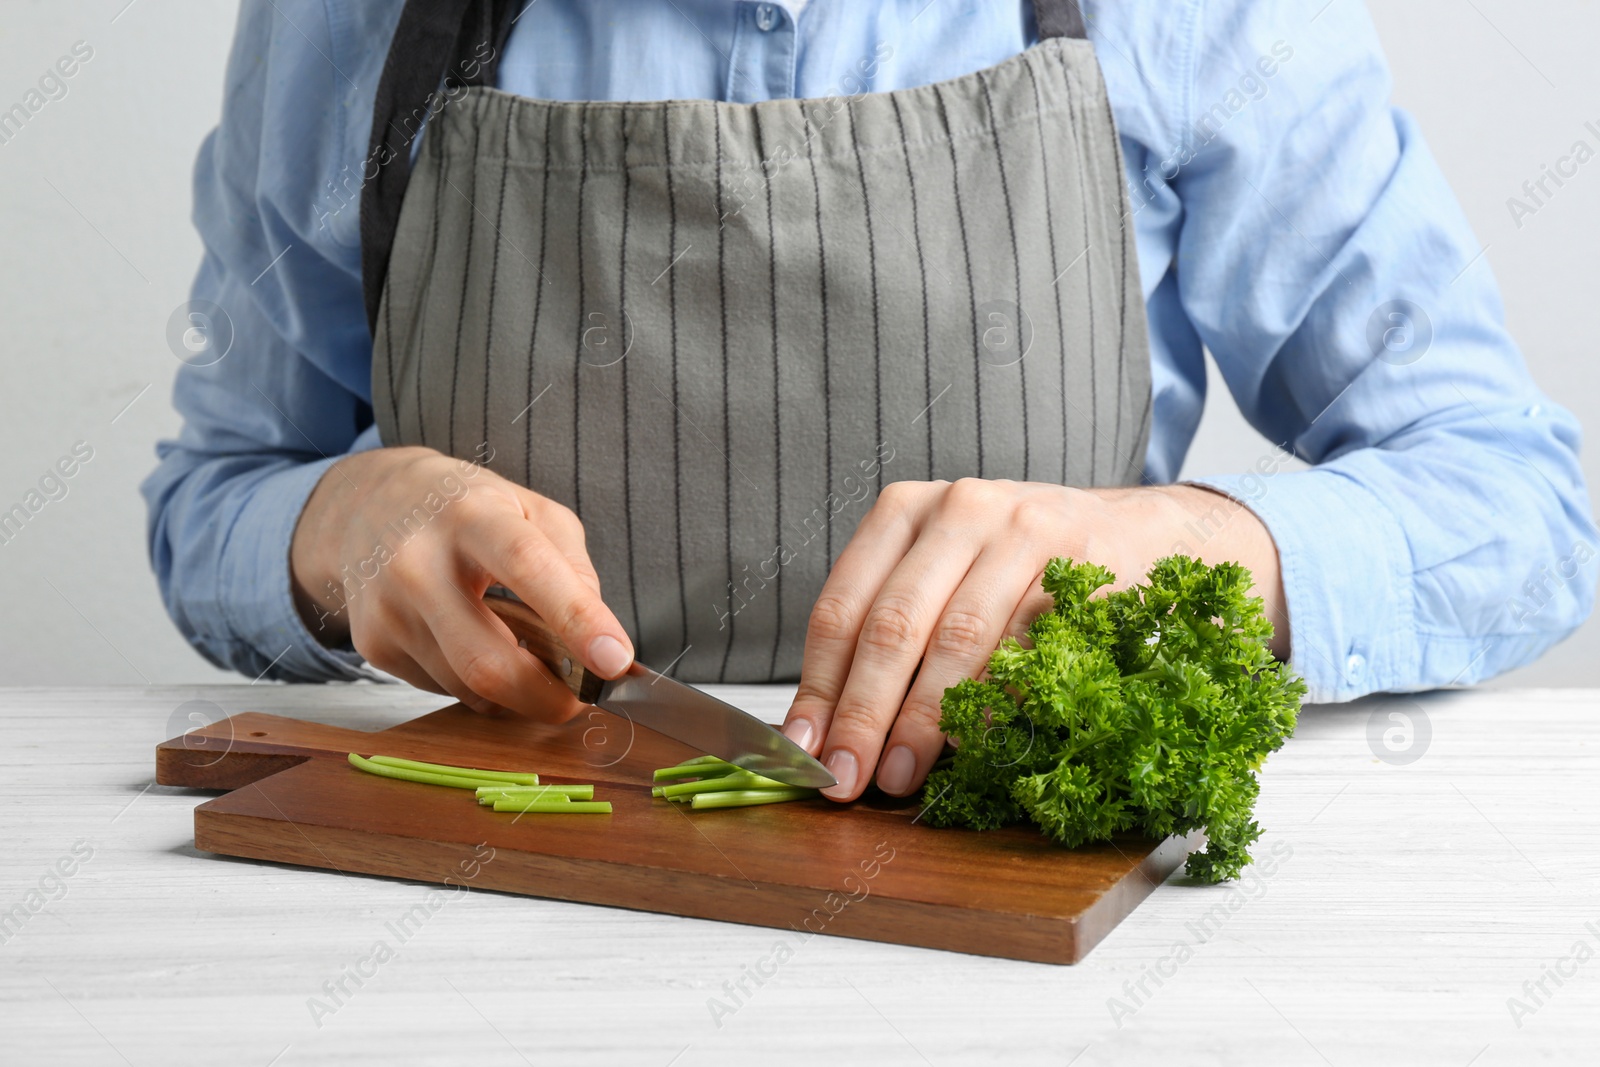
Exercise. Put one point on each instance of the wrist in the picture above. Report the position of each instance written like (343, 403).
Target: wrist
(313, 557)
(317, 550)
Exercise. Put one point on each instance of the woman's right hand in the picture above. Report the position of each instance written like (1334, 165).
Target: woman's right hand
(394, 550)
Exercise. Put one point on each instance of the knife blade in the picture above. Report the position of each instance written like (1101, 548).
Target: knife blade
(666, 705)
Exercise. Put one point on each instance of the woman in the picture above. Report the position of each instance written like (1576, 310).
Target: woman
(808, 332)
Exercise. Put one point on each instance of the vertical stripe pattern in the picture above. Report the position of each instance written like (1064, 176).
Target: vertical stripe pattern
(729, 325)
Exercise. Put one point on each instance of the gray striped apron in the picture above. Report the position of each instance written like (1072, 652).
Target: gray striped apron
(717, 330)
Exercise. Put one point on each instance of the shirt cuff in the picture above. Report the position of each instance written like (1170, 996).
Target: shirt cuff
(258, 597)
(1347, 579)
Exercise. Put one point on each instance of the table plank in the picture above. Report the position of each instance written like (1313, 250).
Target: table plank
(1407, 904)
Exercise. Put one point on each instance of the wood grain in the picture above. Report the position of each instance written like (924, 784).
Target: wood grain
(865, 870)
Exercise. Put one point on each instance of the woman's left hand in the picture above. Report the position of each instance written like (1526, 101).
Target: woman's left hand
(938, 572)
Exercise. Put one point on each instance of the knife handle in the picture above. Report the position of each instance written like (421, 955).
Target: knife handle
(536, 637)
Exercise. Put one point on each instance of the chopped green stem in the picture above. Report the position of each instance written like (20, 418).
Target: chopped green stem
(737, 780)
(743, 798)
(695, 770)
(545, 798)
(406, 774)
(553, 807)
(513, 777)
(575, 791)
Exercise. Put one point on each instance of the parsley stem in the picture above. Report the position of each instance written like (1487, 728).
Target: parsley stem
(743, 798)
(406, 774)
(488, 794)
(1085, 743)
(575, 791)
(555, 807)
(737, 780)
(698, 769)
(513, 777)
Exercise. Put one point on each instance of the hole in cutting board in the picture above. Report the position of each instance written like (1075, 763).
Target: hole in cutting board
(258, 733)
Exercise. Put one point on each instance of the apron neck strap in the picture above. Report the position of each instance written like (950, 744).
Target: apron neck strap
(1059, 18)
(439, 47)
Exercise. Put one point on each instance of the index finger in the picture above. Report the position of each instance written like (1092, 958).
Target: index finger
(880, 542)
(477, 652)
(523, 559)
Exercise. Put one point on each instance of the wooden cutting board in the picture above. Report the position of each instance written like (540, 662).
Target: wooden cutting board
(869, 869)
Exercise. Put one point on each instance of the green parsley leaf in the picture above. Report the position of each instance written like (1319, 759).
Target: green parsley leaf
(1149, 709)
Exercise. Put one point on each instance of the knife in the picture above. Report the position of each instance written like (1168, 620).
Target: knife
(666, 705)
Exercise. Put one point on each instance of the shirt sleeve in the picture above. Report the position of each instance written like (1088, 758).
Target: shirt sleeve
(1442, 533)
(277, 207)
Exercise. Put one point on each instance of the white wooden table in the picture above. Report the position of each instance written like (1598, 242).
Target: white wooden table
(1412, 902)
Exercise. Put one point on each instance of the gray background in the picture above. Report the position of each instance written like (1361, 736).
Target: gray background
(98, 251)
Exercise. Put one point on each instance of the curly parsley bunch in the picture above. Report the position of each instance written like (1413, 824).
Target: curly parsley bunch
(1148, 709)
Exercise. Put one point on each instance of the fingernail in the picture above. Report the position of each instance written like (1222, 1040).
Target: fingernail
(608, 656)
(799, 731)
(842, 765)
(894, 777)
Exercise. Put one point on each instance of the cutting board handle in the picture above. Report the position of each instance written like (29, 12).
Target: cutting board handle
(542, 641)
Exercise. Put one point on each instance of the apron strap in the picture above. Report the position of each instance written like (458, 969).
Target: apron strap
(435, 41)
(1059, 18)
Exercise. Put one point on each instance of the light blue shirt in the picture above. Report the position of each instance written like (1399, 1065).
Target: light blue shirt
(1280, 202)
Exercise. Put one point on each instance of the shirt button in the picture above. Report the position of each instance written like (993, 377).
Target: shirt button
(766, 17)
(1354, 666)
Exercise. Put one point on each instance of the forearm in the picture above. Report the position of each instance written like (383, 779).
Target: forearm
(1358, 327)
(1459, 550)
(219, 537)
(260, 424)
